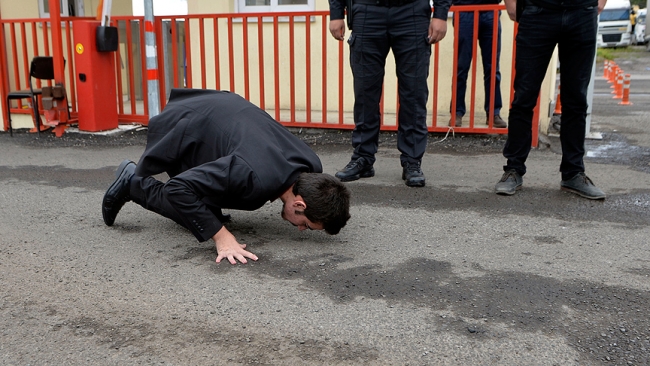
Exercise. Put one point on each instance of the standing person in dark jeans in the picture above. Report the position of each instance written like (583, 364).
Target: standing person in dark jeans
(465, 50)
(543, 24)
(408, 28)
(221, 151)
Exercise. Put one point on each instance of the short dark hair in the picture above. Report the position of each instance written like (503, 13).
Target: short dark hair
(327, 200)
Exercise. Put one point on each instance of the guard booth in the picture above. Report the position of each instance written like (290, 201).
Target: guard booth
(94, 51)
(95, 43)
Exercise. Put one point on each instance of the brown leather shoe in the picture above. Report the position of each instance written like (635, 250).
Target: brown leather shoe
(498, 122)
(459, 121)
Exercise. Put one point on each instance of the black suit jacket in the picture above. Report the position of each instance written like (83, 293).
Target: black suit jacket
(221, 151)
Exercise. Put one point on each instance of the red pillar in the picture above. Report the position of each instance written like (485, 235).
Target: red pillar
(57, 42)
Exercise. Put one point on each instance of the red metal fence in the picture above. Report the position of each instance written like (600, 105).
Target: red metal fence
(286, 63)
(20, 41)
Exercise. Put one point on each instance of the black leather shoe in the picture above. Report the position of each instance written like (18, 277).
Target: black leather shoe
(356, 169)
(413, 175)
(118, 193)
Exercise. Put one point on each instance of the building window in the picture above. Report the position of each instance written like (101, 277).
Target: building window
(266, 6)
(161, 7)
(69, 8)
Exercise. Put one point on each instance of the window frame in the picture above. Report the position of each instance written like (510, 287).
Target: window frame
(78, 4)
(241, 7)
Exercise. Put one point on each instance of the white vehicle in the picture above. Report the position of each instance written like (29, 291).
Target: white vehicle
(639, 28)
(614, 25)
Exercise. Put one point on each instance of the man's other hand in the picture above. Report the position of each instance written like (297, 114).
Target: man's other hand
(511, 8)
(601, 5)
(229, 248)
(437, 30)
(337, 28)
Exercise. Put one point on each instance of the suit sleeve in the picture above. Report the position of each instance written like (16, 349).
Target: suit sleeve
(337, 9)
(185, 192)
(441, 9)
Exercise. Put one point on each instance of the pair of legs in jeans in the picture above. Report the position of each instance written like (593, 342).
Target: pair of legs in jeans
(465, 49)
(540, 30)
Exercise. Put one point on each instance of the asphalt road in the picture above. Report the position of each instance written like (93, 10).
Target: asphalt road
(449, 274)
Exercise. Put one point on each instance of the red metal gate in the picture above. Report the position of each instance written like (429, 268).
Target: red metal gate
(286, 63)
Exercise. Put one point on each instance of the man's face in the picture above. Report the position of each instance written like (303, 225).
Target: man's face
(298, 219)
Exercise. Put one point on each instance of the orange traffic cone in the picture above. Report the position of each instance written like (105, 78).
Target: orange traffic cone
(613, 68)
(626, 91)
(618, 91)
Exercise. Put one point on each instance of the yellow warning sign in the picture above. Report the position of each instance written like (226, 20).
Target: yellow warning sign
(79, 48)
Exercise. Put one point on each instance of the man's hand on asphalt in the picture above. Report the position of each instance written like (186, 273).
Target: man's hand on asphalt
(229, 248)
(337, 28)
(437, 30)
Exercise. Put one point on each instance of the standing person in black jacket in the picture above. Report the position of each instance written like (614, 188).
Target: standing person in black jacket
(408, 28)
(543, 24)
(221, 151)
(485, 20)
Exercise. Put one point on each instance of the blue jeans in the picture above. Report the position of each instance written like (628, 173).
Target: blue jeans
(540, 29)
(377, 30)
(465, 50)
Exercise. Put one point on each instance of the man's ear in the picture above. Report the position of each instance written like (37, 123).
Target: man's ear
(298, 202)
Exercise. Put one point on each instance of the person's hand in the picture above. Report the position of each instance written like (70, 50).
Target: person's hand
(511, 8)
(229, 248)
(601, 5)
(437, 30)
(337, 28)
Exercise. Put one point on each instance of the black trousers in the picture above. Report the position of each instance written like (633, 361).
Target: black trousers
(148, 193)
(540, 30)
(377, 30)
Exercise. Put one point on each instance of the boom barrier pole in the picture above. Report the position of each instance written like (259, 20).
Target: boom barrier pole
(153, 96)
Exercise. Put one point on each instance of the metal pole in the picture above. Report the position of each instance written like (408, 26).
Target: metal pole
(590, 102)
(153, 96)
(106, 13)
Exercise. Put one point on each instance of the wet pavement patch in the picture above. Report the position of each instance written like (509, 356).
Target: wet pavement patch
(603, 323)
(614, 148)
(630, 210)
(547, 240)
(75, 140)
(237, 346)
(60, 176)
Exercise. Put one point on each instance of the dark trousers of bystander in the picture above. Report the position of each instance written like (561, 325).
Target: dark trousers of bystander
(540, 30)
(465, 51)
(377, 30)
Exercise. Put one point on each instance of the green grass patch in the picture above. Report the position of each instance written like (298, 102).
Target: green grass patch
(614, 53)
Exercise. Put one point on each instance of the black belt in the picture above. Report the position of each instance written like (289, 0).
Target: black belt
(386, 3)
